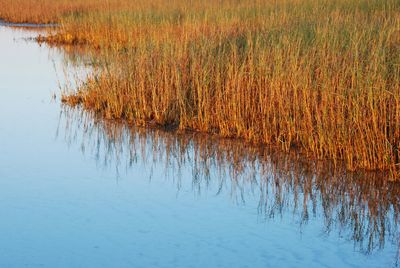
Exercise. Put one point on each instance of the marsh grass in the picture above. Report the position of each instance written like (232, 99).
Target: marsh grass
(316, 75)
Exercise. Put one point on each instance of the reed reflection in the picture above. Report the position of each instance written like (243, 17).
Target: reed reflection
(363, 207)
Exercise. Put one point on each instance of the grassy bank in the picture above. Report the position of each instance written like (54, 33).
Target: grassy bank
(317, 75)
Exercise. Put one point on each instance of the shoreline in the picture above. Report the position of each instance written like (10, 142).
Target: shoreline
(27, 24)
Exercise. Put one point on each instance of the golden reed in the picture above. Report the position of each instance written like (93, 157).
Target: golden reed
(322, 76)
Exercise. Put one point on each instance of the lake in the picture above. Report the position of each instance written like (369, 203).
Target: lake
(77, 191)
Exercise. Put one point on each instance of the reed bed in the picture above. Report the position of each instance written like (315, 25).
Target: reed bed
(321, 76)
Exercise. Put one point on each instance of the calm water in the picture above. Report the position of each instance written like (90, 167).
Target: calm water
(78, 192)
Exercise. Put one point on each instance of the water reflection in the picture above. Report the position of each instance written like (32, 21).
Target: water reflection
(361, 207)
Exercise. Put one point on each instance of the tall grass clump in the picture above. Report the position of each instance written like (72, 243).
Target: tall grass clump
(322, 76)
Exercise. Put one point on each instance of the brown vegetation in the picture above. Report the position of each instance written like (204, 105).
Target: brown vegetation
(322, 76)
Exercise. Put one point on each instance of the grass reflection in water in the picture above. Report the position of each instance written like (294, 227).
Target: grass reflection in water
(363, 207)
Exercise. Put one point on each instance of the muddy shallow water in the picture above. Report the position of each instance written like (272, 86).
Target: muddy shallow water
(79, 192)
